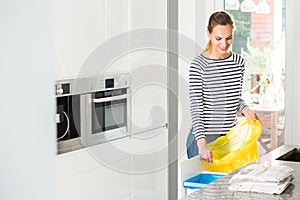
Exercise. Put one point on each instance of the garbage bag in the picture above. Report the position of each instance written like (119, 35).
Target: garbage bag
(235, 149)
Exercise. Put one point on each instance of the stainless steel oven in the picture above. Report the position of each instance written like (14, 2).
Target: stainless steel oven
(107, 110)
(92, 110)
(68, 117)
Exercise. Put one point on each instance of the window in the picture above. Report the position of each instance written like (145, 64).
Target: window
(260, 38)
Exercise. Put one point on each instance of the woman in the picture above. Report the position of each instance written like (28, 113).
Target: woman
(215, 84)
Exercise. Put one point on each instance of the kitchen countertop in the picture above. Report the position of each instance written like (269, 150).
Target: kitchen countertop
(219, 189)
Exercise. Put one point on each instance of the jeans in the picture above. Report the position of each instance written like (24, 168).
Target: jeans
(191, 144)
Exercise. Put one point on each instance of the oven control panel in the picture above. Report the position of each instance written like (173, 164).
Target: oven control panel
(109, 82)
(91, 84)
(117, 81)
(62, 89)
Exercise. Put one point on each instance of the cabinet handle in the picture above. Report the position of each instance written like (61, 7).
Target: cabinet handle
(106, 99)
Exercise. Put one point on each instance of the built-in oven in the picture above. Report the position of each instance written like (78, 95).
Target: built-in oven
(92, 110)
(68, 117)
(107, 110)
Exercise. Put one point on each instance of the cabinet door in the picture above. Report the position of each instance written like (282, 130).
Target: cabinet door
(114, 154)
(112, 180)
(116, 44)
(148, 14)
(150, 165)
(148, 90)
(99, 183)
(81, 27)
(151, 186)
(148, 62)
(95, 173)
(149, 100)
(112, 184)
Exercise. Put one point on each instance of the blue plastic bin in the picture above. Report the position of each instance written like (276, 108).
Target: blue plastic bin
(201, 180)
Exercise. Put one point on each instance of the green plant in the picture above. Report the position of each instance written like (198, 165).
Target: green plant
(257, 61)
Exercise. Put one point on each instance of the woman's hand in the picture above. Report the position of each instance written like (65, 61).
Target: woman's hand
(247, 112)
(204, 151)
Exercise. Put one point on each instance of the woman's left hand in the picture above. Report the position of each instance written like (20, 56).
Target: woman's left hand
(247, 112)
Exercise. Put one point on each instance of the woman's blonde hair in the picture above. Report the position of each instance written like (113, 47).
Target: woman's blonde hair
(217, 18)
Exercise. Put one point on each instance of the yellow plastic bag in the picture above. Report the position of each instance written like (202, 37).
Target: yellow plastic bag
(236, 149)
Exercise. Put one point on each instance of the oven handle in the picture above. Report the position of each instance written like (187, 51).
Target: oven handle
(105, 99)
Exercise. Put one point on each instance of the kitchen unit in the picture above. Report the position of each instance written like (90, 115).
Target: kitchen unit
(91, 178)
(80, 28)
(112, 151)
(92, 110)
(138, 157)
(112, 170)
(219, 188)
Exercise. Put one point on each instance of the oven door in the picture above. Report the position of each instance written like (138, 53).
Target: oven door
(107, 116)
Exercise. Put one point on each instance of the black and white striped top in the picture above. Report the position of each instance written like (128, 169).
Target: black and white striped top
(215, 88)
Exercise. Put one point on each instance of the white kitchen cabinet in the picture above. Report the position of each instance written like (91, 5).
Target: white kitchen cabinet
(94, 33)
(80, 28)
(135, 167)
(151, 186)
(149, 142)
(148, 14)
(116, 154)
(148, 90)
(150, 165)
(148, 64)
(75, 162)
(116, 44)
(99, 183)
(117, 17)
(84, 174)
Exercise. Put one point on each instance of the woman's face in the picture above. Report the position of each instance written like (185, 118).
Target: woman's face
(221, 39)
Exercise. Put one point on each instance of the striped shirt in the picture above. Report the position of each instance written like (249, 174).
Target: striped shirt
(215, 88)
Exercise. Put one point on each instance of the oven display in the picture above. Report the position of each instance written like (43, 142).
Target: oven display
(109, 83)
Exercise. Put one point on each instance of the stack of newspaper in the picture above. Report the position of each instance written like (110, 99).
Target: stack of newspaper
(258, 178)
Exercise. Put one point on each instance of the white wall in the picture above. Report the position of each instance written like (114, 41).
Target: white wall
(292, 104)
(27, 127)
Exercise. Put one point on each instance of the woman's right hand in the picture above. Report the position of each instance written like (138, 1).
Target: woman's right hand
(204, 151)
